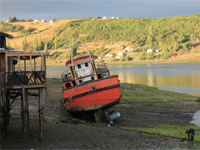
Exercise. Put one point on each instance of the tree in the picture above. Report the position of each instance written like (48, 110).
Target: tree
(55, 43)
(14, 19)
(176, 47)
(29, 20)
(10, 19)
(24, 44)
(45, 47)
(35, 44)
(8, 42)
(40, 47)
(15, 45)
(150, 31)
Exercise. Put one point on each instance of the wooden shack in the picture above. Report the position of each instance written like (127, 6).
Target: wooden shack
(20, 71)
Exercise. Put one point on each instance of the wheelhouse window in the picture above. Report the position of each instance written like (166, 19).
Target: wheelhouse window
(79, 66)
(86, 64)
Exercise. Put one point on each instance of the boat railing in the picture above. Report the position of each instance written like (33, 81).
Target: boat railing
(66, 75)
(25, 78)
(101, 65)
(2, 79)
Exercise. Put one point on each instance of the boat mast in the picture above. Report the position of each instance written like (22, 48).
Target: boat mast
(95, 73)
(73, 66)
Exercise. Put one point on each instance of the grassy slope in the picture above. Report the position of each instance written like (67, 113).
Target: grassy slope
(60, 28)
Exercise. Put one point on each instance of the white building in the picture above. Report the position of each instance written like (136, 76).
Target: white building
(51, 21)
(99, 58)
(129, 49)
(36, 20)
(112, 17)
(104, 17)
(150, 51)
(107, 55)
(43, 21)
(120, 54)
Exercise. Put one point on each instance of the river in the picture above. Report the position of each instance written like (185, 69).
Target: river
(184, 78)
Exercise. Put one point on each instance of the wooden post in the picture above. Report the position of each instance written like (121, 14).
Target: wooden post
(24, 65)
(34, 65)
(25, 113)
(1, 116)
(31, 62)
(41, 116)
(19, 63)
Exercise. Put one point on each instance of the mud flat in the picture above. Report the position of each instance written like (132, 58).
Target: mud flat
(151, 119)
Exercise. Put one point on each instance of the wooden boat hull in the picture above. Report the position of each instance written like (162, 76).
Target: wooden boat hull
(98, 94)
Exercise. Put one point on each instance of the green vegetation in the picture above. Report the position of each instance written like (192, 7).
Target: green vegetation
(169, 35)
(168, 131)
(143, 92)
(5, 27)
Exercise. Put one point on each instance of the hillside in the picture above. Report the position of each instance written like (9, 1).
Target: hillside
(174, 37)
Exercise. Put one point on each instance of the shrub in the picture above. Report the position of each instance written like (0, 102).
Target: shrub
(165, 55)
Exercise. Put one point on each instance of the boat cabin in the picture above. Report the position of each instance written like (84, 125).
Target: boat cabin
(83, 69)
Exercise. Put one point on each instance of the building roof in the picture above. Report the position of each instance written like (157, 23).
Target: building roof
(2, 34)
(79, 60)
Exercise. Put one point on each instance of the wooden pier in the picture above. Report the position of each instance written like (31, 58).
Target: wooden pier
(20, 73)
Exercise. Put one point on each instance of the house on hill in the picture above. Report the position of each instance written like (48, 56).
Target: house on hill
(129, 49)
(36, 20)
(107, 55)
(120, 53)
(149, 50)
(121, 47)
(112, 17)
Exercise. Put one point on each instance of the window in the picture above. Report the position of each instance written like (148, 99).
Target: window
(86, 64)
(80, 81)
(92, 78)
(68, 85)
(79, 66)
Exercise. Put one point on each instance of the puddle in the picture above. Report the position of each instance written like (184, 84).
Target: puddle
(196, 119)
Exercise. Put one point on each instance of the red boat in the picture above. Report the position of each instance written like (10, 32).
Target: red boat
(88, 86)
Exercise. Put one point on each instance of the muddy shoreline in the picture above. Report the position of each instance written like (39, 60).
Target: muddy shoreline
(64, 132)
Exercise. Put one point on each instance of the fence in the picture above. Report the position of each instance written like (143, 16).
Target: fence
(25, 78)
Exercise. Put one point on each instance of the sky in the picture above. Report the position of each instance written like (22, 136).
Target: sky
(60, 9)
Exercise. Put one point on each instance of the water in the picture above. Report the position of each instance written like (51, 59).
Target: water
(196, 119)
(184, 78)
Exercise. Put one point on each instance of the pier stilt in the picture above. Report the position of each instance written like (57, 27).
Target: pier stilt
(41, 116)
(25, 113)
(2, 115)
